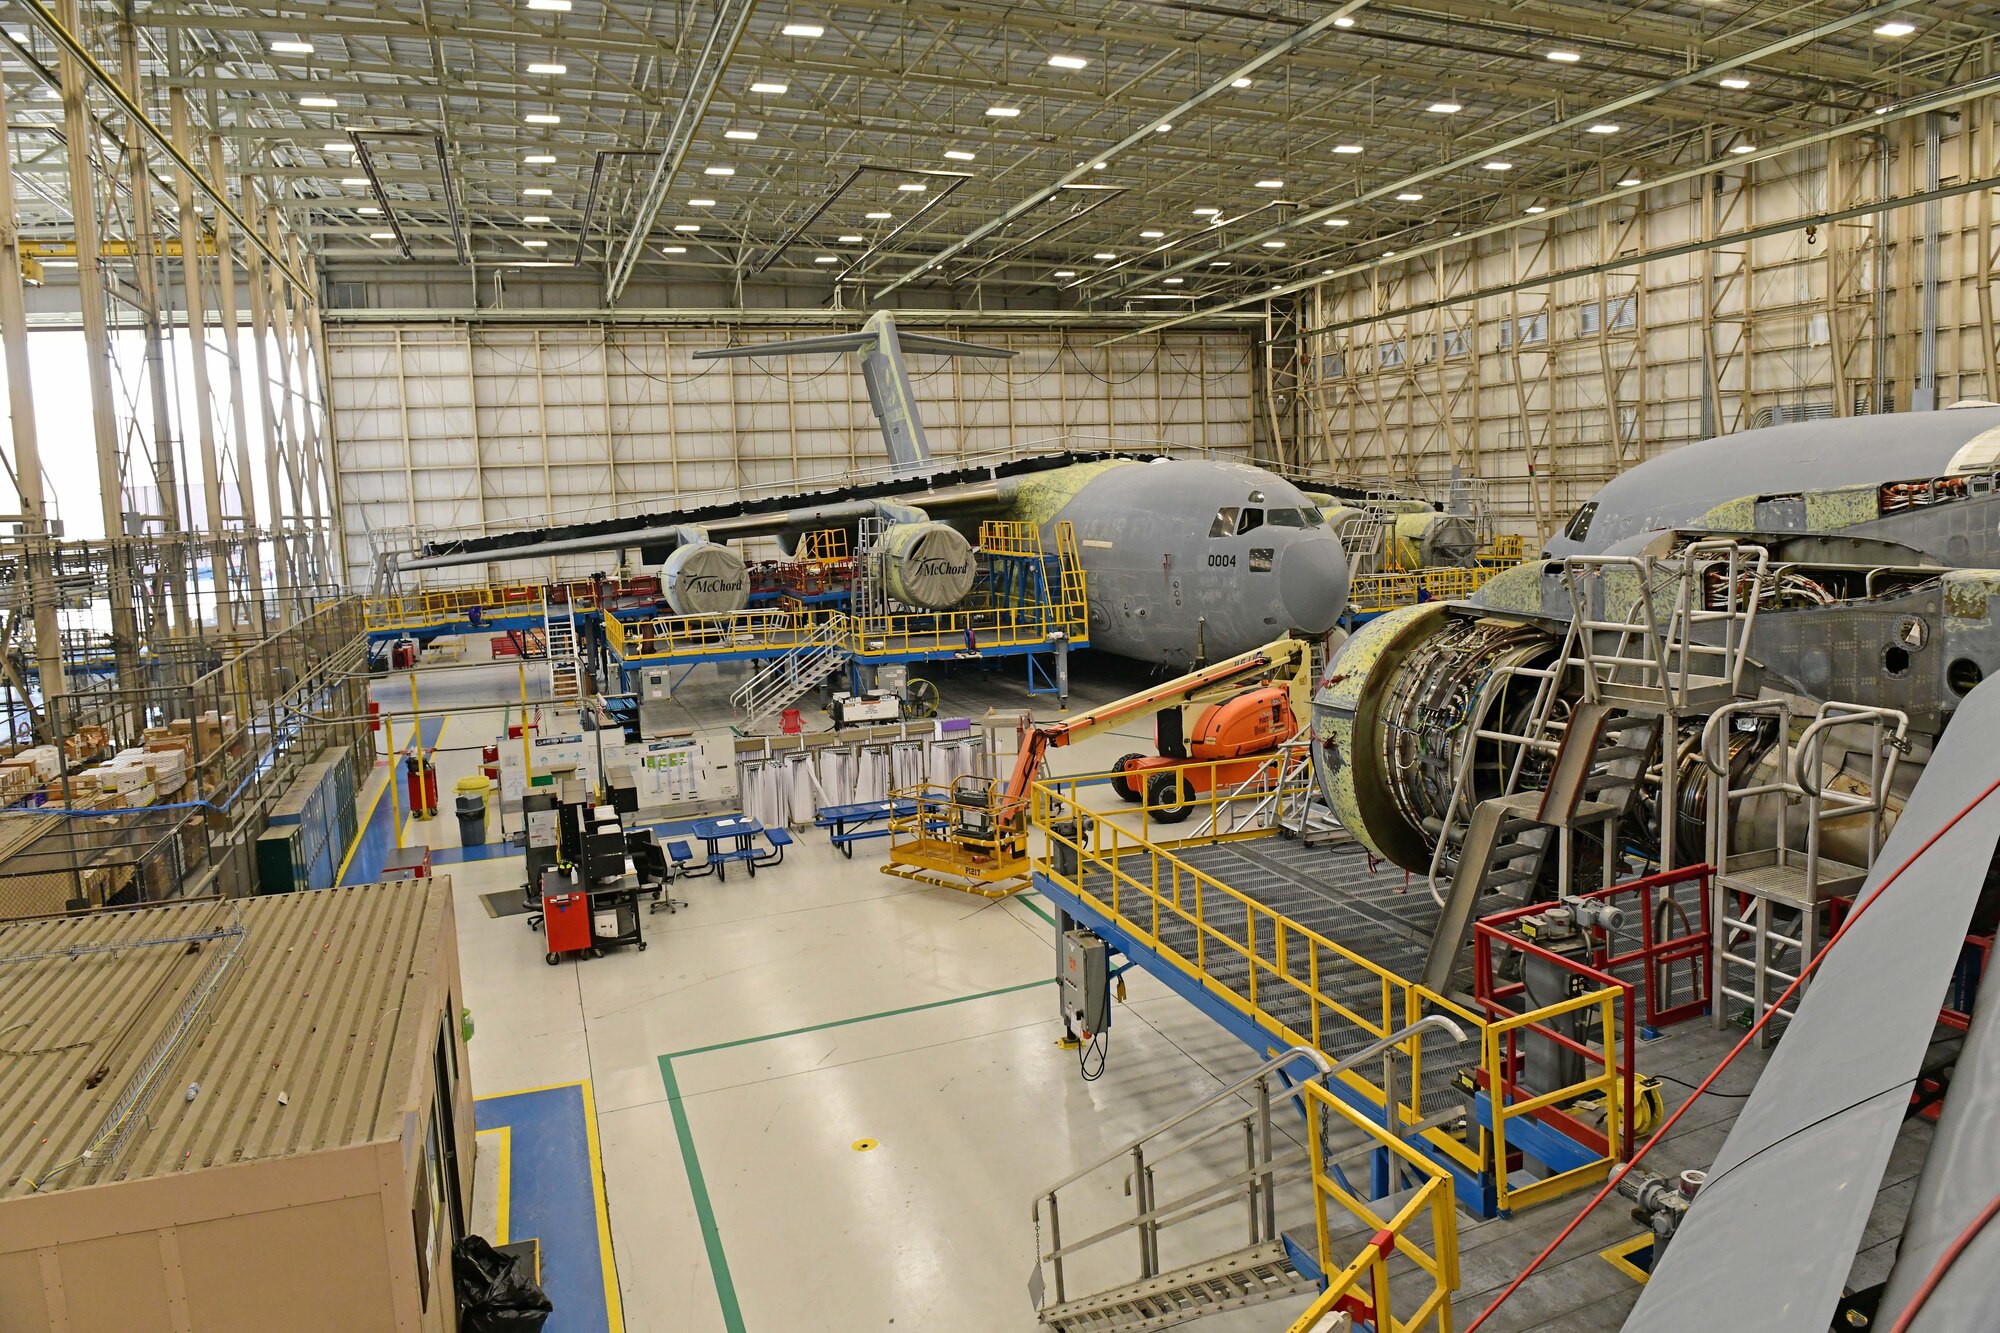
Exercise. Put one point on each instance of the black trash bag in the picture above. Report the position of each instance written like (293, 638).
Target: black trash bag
(495, 1293)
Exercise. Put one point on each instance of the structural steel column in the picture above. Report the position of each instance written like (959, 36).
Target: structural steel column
(260, 330)
(197, 324)
(146, 278)
(80, 135)
(280, 324)
(27, 444)
(232, 344)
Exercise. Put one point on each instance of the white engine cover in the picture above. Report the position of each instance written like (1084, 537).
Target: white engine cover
(705, 579)
(927, 565)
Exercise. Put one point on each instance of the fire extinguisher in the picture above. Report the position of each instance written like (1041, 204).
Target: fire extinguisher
(422, 784)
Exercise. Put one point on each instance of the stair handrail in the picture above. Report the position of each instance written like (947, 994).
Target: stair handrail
(1324, 1069)
(1284, 756)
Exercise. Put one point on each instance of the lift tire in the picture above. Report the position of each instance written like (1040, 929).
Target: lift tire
(1122, 784)
(1170, 798)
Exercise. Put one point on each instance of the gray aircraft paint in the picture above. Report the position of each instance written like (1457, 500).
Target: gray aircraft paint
(1676, 489)
(1162, 589)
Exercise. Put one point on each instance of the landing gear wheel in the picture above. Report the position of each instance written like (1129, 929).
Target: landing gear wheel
(1122, 784)
(1170, 798)
(550, 959)
(920, 698)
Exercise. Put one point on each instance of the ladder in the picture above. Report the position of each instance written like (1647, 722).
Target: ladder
(1766, 902)
(1290, 801)
(783, 680)
(559, 644)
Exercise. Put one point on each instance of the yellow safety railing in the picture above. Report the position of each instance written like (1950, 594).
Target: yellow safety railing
(443, 606)
(990, 627)
(1498, 1057)
(1287, 966)
(1004, 537)
(823, 546)
(1506, 549)
(667, 638)
(1384, 592)
(1363, 1286)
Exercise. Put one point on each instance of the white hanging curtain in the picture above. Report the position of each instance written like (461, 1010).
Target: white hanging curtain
(799, 780)
(906, 764)
(836, 777)
(763, 789)
(871, 782)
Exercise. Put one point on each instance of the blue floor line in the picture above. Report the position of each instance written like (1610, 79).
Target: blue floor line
(550, 1199)
(378, 839)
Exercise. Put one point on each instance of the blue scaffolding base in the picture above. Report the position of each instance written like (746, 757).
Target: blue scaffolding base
(1474, 1190)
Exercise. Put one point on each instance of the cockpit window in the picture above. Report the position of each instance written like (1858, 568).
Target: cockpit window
(1294, 518)
(1225, 522)
(1578, 526)
(1252, 519)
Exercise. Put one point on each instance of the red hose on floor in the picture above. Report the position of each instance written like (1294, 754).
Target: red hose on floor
(1735, 1051)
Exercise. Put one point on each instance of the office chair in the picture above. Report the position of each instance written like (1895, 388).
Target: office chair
(653, 868)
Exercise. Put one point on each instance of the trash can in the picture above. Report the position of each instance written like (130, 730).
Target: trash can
(471, 820)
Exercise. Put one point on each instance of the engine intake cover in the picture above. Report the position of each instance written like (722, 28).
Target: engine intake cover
(705, 579)
(926, 565)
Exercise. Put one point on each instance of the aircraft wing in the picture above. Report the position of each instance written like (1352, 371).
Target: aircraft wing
(658, 534)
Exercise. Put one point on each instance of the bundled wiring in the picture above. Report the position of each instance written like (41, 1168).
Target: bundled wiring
(1101, 1044)
(1811, 966)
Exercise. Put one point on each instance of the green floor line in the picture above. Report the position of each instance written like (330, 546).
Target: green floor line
(704, 1207)
(1037, 909)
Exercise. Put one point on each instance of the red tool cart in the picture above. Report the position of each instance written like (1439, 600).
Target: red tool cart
(565, 923)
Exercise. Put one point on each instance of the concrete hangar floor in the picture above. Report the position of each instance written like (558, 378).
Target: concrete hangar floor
(824, 1098)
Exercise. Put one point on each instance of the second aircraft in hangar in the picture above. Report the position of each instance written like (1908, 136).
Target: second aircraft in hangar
(1184, 558)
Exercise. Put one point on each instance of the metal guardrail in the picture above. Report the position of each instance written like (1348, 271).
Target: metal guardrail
(1139, 882)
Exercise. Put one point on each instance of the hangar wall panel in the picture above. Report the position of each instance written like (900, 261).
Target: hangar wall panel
(469, 428)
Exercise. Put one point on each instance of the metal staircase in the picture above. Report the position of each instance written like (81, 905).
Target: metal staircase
(784, 680)
(1271, 1264)
(1680, 651)
(560, 645)
(1286, 794)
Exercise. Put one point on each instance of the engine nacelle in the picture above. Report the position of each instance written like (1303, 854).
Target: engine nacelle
(705, 579)
(926, 565)
(1434, 541)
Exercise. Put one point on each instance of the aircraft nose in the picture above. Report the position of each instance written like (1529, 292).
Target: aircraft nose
(1312, 582)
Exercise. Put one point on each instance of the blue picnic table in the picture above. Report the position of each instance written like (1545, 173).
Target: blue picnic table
(738, 830)
(849, 824)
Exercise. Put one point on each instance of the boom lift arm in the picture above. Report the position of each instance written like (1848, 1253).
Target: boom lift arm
(1279, 658)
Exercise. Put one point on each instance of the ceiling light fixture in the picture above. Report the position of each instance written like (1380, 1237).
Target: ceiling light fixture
(550, 6)
(354, 180)
(803, 30)
(879, 217)
(534, 245)
(1347, 149)
(547, 67)
(292, 48)
(1218, 263)
(1164, 127)
(542, 118)
(673, 249)
(913, 187)
(851, 240)
(1537, 208)
(1099, 166)
(318, 102)
(826, 259)
(701, 203)
(369, 210)
(1742, 148)
(718, 171)
(769, 88)
(1605, 127)
(1343, 22)
(1068, 62)
(1065, 273)
(535, 220)
(1003, 112)
(1151, 235)
(1565, 57)
(1270, 183)
(1630, 180)
(539, 159)
(1408, 197)
(1895, 29)
(1499, 166)
(1734, 84)
(1104, 254)
(1445, 108)
(1336, 222)
(381, 235)
(336, 148)
(1173, 282)
(538, 192)
(1274, 245)
(743, 136)
(687, 226)
(1239, 83)
(959, 155)
(1207, 212)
